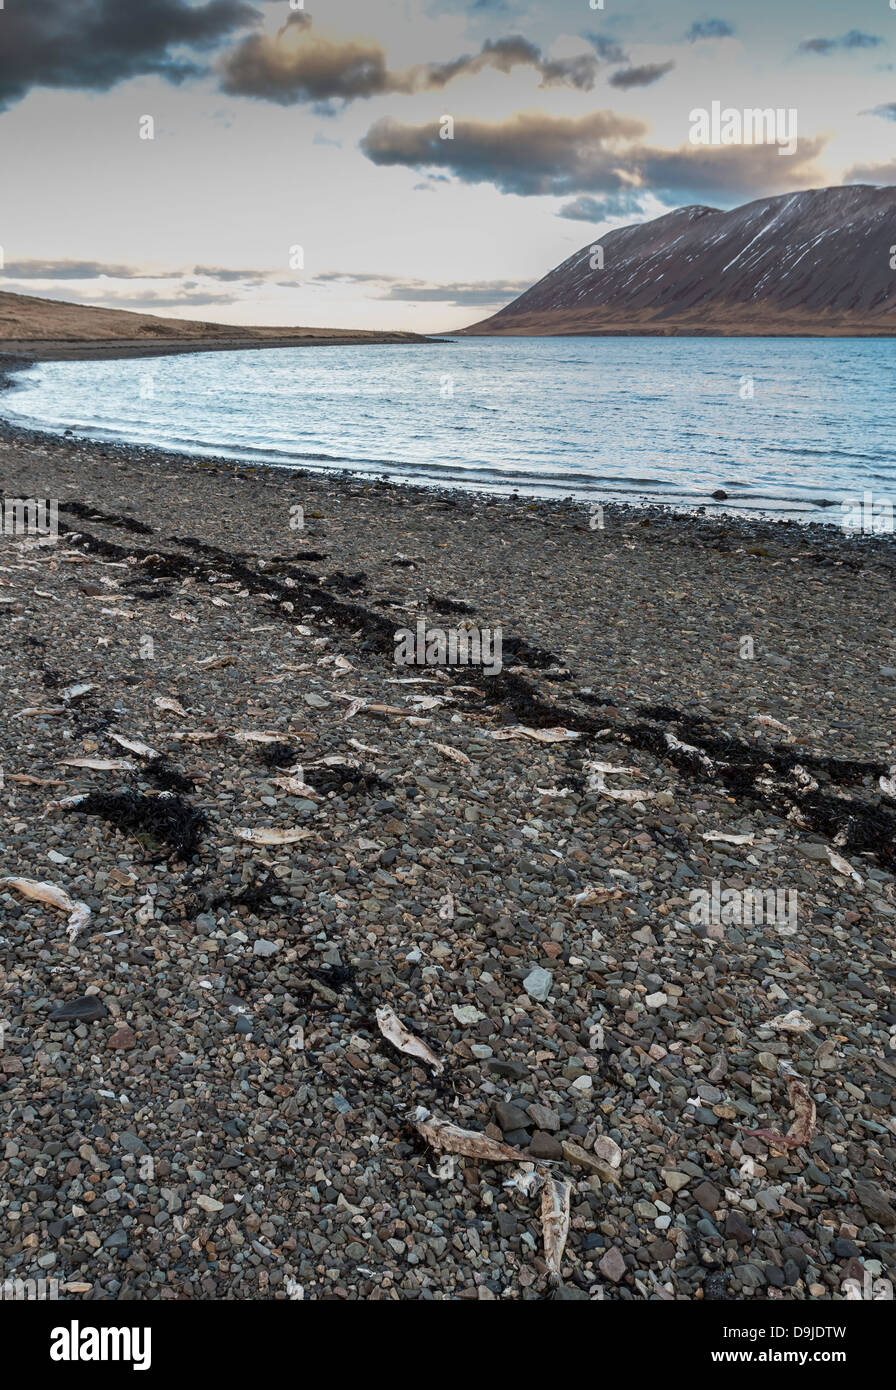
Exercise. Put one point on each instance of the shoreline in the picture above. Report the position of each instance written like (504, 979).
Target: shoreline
(29, 351)
(11, 365)
(532, 921)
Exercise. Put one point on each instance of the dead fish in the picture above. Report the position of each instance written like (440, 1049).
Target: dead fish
(448, 1138)
(265, 835)
(558, 735)
(76, 692)
(596, 783)
(36, 781)
(249, 736)
(767, 722)
(803, 1126)
(134, 745)
(842, 867)
(555, 1222)
(454, 755)
(394, 1031)
(162, 702)
(79, 913)
(590, 897)
(100, 764)
(792, 1022)
(296, 786)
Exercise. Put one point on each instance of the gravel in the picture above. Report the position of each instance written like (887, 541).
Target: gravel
(216, 1114)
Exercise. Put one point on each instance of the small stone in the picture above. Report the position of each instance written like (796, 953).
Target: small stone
(674, 1180)
(608, 1151)
(510, 1116)
(545, 1146)
(537, 984)
(84, 1010)
(122, 1039)
(656, 1001)
(708, 1196)
(612, 1265)
(265, 948)
(736, 1228)
(209, 1204)
(543, 1117)
(875, 1204)
(467, 1013)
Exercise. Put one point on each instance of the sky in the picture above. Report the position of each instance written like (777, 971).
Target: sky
(399, 163)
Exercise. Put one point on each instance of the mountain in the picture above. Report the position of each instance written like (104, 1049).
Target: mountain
(816, 262)
(32, 327)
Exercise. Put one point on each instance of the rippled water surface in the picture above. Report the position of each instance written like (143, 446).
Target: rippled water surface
(668, 420)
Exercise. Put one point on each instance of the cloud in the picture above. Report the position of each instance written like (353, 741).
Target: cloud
(530, 153)
(73, 270)
(298, 64)
(883, 175)
(225, 275)
(854, 39)
(515, 51)
(533, 153)
(607, 48)
(148, 303)
(888, 111)
(397, 287)
(104, 270)
(709, 29)
(94, 44)
(642, 76)
(585, 208)
(475, 292)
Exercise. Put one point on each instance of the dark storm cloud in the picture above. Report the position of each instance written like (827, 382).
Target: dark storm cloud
(709, 29)
(94, 44)
(299, 64)
(641, 77)
(534, 154)
(854, 39)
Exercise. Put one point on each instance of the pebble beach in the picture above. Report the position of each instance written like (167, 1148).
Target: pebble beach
(272, 844)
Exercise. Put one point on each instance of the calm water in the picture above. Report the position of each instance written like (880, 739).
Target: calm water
(656, 419)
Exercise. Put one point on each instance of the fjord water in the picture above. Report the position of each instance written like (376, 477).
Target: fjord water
(663, 420)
